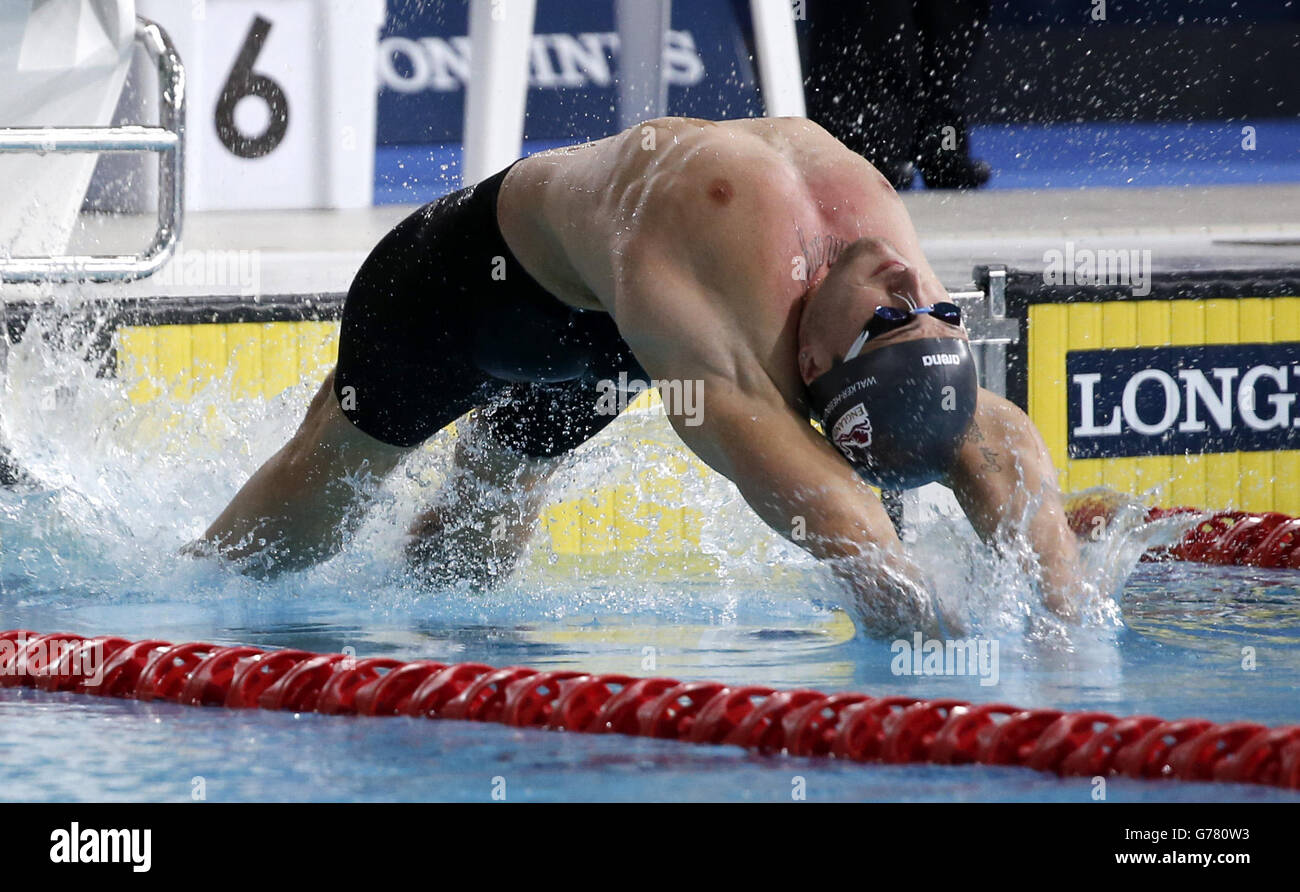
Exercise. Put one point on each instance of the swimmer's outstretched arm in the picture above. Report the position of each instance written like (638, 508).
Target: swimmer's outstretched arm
(1005, 482)
(299, 506)
(801, 487)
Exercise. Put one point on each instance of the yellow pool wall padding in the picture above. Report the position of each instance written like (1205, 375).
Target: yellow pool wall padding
(619, 526)
(1250, 481)
(645, 526)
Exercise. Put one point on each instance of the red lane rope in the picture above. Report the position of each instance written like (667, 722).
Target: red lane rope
(797, 722)
(1241, 538)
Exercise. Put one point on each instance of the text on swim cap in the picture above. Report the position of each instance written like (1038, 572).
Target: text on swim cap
(941, 359)
(847, 392)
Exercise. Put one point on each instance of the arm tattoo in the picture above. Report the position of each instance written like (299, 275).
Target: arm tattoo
(973, 434)
(991, 462)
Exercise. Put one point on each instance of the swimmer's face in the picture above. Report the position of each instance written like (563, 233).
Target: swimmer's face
(869, 273)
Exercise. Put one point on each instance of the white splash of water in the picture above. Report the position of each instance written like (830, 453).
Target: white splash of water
(120, 487)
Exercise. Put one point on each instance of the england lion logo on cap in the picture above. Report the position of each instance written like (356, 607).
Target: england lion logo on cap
(852, 433)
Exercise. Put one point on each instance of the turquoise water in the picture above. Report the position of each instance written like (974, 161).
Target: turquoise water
(1178, 656)
(91, 548)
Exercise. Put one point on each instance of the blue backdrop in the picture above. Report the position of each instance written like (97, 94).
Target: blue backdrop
(424, 57)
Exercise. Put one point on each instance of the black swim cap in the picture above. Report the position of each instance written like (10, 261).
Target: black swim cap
(898, 412)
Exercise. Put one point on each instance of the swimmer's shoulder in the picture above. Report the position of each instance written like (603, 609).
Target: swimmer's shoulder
(668, 159)
(784, 165)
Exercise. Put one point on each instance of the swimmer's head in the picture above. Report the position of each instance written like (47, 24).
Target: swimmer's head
(866, 274)
(894, 397)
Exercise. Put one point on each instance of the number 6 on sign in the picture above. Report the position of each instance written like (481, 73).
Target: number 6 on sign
(243, 81)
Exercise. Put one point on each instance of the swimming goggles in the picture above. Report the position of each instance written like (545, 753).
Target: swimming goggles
(886, 319)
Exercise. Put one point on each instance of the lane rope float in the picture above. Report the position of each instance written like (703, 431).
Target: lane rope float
(1240, 538)
(798, 722)
(1226, 538)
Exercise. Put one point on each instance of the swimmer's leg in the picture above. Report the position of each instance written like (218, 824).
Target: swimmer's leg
(481, 519)
(480, 522)
(300, 506)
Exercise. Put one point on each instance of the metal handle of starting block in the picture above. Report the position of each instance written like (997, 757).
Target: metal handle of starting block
(167, 139)
(991, 332)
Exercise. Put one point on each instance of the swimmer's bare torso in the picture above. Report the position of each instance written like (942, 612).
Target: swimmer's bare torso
(701, 238)
(703, 241)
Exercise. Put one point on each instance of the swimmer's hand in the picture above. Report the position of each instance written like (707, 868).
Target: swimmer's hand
(198, 548)
(260, 564)
(802, 488)
(890, 597)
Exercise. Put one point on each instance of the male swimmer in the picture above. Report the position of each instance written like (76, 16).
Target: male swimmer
(759, 258)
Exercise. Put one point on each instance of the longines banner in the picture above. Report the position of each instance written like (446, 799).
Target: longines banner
(423, 64)
(1187, 388)
(1176, 400)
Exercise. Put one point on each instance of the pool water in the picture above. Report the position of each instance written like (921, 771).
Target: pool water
(91, 548)
(1179, 655)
